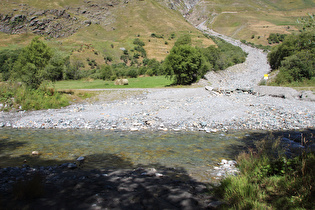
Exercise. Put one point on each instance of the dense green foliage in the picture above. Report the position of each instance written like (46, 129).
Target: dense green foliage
(269, 180)
(19, 97)
(276, 38)
(7, 60)
(186, 64)
(224, 55)
(183, 40)
(30, 65)
(295, 56)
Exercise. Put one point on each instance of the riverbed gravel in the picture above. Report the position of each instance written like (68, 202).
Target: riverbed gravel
(195, 108)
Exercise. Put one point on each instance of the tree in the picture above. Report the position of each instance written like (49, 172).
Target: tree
(7, 60)
(295, 56)
(55, 68)
(186, 64)
(30, 65)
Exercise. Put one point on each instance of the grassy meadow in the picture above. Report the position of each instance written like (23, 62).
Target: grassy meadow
(140, 82)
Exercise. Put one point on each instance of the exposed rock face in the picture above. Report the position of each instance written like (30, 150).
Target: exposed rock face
(56, 23)
(64, 22)
(184, 6)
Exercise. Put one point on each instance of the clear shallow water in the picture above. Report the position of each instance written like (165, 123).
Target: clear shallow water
(196, 152)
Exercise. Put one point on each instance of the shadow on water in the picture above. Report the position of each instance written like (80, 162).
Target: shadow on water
(10, 146)
(114, 186)
(305, 138)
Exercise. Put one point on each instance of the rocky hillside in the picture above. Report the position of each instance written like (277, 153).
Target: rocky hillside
(56, 23)
(106, 26)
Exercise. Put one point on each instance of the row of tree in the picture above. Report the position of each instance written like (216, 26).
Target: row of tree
(184, 65)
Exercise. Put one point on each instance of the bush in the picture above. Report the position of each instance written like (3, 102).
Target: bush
(7, 60)
(138, 42)
(149, 72)
(21, 97)
(132, 72)
(72, 71)
(106, 72)
(183, 40)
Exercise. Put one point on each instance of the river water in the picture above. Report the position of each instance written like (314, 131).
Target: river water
(195, 152)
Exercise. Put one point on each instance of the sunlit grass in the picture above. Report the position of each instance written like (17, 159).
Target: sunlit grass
(140, 82)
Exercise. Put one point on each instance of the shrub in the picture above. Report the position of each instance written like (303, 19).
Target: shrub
(21, 97)
(133, 73)
(149, 72)
(138, 42)
(270, 180)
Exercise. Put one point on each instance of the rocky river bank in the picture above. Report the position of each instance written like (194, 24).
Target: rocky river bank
(228, 100)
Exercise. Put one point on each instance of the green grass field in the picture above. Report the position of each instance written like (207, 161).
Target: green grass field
(140, 82)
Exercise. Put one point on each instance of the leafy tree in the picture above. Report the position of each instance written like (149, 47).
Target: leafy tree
(7, 60)
(297, 67)
(72, 70)
(295, 56)
(185, 64)
(30, 65)
(155, 66)
(55, 68)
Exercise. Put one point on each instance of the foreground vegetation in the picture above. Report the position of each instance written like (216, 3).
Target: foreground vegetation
(268, 179)
(15, 96)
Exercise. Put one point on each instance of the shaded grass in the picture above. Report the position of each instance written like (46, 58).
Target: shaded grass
(140, 82)
(270, 180)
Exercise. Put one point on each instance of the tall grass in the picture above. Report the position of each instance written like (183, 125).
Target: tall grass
(15, 96)
(270, 180)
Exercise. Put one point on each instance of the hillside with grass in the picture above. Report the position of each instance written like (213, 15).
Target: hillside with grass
(95, 29)
(251, 20)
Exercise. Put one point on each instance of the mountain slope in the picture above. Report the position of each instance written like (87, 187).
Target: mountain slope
(97, 28)
(241, 19)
